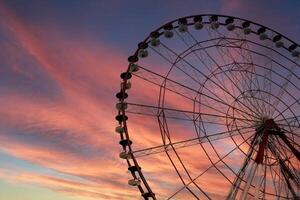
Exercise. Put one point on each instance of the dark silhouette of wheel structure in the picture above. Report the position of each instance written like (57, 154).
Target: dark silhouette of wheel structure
(222, 95)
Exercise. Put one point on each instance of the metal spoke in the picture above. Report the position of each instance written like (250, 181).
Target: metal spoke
(189, 142)
(188, 92)
(211, 166)
(177, 114)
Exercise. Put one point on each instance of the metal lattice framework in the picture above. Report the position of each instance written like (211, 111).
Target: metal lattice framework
(239, 83)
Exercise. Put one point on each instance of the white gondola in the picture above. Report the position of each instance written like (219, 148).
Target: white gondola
(214, 25)
(247, 30)
(143, 53)
(279, 44)
(263, 36)
(182, 28)
(198, 25)
(125, 155)
(126, 86)
(134, 182)
(168, 33)
(155, 42)
(133, 68)
(121, 106)
(119, 129)
(230, 26)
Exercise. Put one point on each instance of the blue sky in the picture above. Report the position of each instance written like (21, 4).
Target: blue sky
(60, 66)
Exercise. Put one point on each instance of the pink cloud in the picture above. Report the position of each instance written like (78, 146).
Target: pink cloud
(87, 75)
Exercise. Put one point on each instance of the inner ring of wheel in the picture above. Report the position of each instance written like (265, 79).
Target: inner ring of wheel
(232, 112)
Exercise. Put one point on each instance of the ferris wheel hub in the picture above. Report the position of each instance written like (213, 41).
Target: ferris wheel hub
(268, 124)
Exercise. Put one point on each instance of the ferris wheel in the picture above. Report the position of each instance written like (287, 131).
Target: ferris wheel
(221, 96)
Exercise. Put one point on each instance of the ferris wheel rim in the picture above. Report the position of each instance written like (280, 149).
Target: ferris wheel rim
(133, 59)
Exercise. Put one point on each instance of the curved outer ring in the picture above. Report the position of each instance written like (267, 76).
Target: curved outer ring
(125, 135)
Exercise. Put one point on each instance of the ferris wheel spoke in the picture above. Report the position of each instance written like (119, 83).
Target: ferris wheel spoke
(245, 112)
(280, 112)
(188, 92)
(285, 153)
(250, 80)
(194, 47)
(234, 80)
(288, 176)
(191, 42)
(294, 143)
(255, 103)
(241, 50)
(290, 120)
(187, 143)
(175, 113)
(211, 166)
(173, 86)
(166, 130)
(297, 101)
(280, 95)
(252, 77)
(268, 71)
(289, 126)
(275, 177)
(175, 61)
(241, 41)
(222, 88)
(236, 48)
(271, 60)
(217, 45)
(195, 70)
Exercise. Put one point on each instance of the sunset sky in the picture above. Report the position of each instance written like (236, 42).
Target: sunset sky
(60, 66)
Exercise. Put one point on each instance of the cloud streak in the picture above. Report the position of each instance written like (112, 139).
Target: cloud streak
(58, 108)
(70, 132)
